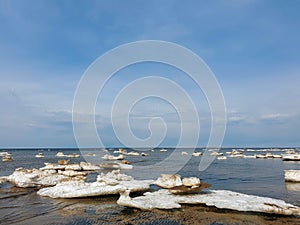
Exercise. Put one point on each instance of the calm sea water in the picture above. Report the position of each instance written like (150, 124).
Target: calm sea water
(263, 177)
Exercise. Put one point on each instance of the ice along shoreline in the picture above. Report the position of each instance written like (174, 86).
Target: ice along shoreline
(57, 182)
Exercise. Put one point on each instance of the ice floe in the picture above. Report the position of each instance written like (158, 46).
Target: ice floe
(89, 166)
(112, 157)
(191, 181)
(36, 178)
(63, 165)
(110, 183)
(168, 180)
(223, 199)
(116, 165)
(292, 175)
(74, 166)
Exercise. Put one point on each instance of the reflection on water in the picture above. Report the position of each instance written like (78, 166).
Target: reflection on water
(263, 177)
(291, 186)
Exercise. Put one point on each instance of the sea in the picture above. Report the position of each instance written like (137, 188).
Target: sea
(262, 177)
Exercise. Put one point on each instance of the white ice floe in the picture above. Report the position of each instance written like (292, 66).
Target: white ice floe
(51, 174)
(112, 157)
(292, 175)
(222, 199)
(191, 181)
(5, 154)
(75, 167)
(113, 178)
(168, 180)
(63, 165)
(89, 166)
(39, 155)
(291, 157)
(123, 166)
(197, 154)
(53, 166)
(79, 189)
(73, 155)
(111, 183)
(60, 154)
(35, 178)
(7, 158)
(120, 150)
(176, 185)
(222, 157)
(149, 201)
(133, 154)
(216, 153)
(72, 173)
(116, 165)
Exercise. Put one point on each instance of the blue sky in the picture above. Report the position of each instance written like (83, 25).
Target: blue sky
(252, 47)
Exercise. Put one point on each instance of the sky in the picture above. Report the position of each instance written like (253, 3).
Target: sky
(251, 46)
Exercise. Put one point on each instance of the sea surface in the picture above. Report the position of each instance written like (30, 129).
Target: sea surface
(263, 177)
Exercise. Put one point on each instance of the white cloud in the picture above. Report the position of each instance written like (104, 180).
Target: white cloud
(236, 118)
(273, 116)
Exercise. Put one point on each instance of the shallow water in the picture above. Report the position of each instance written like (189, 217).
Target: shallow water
(262, 177)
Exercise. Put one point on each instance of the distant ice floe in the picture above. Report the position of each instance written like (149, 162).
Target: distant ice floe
(291, 157)
(60, 154)
(6, 157)
(112, 157)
